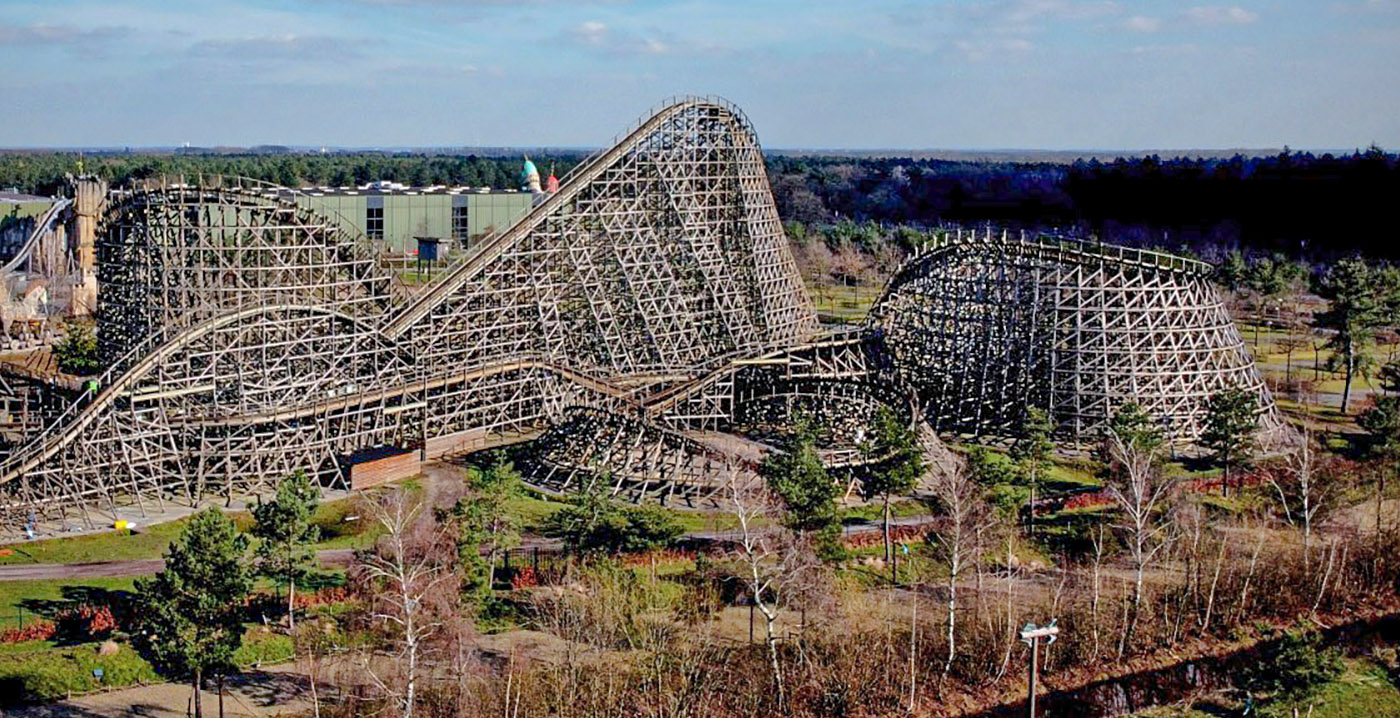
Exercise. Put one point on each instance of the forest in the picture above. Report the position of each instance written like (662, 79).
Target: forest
(1308, 206)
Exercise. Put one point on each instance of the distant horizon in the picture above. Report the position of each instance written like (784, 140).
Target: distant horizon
(1065, 75)
(458, 149)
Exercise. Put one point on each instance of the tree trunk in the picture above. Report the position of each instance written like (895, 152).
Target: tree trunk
(315, 697)
(1030, 518)
(1214, 582)
(889, 545)
(1307, 540)
(913, 646)
(292, 605)
(1136, 610)
(952, 622)
(1094, 605)
(221, 695)
(1244, 591)
(198, 703)
(1346, 390)
(774, 661)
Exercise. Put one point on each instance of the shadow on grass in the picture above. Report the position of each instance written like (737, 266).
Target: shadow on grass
(71, 627)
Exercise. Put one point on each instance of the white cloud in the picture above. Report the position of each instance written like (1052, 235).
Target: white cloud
(1143, 23)
(289, 46)
(1167, 50)
(977, 51)
(1020, 11)
(1221, 15)
(43, 34)
(591, 32)
(597, 34)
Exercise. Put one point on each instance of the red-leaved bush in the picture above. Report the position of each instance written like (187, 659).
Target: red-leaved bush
(40, 630)
(524, 577)
(323, 597)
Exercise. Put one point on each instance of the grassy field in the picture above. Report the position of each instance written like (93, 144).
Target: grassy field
(1365, 690)
(335, 519)
(26, 600)
(43, 671)
(838, 304)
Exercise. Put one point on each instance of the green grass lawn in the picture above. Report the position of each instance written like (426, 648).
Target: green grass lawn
(1065, 474)
(151, 541)
(25, 598)
(839, 304)
(1363, 691)
(39, 671)
(148, 542)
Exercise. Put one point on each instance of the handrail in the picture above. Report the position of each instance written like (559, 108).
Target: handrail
(1063, 246)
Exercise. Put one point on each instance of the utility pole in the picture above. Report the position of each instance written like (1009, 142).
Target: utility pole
(1031, 635)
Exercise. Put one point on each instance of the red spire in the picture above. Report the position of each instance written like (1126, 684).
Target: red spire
(551, 185)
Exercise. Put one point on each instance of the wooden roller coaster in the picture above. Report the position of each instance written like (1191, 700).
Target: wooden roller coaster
(646, 323)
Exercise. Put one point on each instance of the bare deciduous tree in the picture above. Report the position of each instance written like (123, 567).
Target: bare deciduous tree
(409, 580)
(777, 563)
(1302, 491)
(957, 538)
(1140, 490)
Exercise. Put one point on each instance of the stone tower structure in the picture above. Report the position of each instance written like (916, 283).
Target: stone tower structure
(89, 196)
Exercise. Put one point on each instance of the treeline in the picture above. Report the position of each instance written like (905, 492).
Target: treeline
(43, 173)
(1309, 206)
(1303, 205)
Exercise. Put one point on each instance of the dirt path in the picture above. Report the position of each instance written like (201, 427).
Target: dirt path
(272, 691)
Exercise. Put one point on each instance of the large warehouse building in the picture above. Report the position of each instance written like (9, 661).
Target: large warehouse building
(397, 215)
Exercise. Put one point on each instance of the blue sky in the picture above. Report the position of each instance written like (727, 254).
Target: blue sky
(1052, 74)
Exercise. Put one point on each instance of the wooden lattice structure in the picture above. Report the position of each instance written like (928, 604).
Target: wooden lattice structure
(646, 322)
(246, 337)
(983, 324)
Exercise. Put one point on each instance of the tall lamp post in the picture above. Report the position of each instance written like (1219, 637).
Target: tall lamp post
(1032, 635)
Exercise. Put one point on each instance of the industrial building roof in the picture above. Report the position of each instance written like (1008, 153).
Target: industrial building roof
(394, 188)
(11, 196)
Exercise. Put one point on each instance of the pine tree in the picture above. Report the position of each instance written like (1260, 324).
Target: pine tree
(190, 615)
(1231, 422)
(1357, 311)
(797, 476)
(898, 471)
(1032, 451)
(285, 533)
(594, 524)
(77, 351)
(487, 524)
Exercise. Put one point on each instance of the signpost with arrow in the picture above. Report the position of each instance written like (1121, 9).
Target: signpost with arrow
(1032, 635)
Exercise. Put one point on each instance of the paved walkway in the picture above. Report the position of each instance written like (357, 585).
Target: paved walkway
(128, 567)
